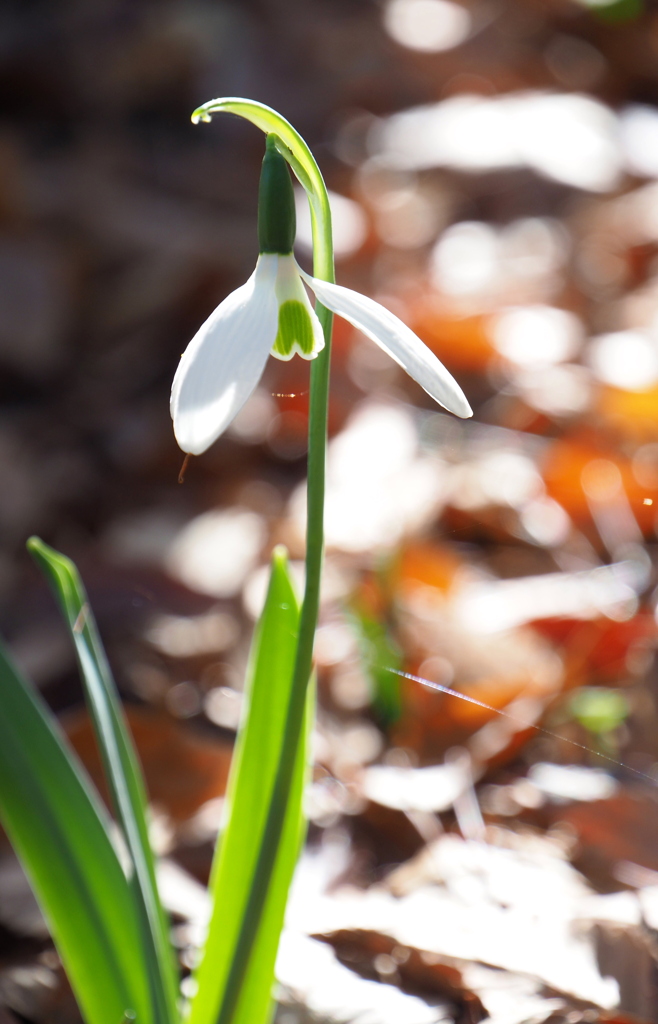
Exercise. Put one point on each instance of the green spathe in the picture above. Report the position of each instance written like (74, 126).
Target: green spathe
(276, 203)
(294, 327)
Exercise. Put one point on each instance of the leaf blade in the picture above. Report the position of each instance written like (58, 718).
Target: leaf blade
(255, 998)
(121, 766)
(61, 833)
(236, 973)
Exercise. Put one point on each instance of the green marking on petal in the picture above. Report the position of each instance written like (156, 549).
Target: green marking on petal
(294, 327)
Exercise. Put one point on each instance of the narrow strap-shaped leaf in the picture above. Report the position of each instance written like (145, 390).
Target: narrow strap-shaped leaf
(122, 771)
(60, 831)
(234, 979)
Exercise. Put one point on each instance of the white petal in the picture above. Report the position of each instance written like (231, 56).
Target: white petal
(398, 340)
(225, 360)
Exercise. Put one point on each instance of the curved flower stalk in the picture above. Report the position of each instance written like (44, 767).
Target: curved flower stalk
(271, 314)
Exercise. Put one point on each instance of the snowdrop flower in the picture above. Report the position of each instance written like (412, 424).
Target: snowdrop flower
(272, 314)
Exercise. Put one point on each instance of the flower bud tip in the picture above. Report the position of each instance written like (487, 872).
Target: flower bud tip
(201, 115)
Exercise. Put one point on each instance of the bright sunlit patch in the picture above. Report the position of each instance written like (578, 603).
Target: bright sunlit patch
(562, 390)
(566, 136)
(415, 789)
(335, 642)
(464, 261)
(471, 133)
(570, 138)
(223, 706)
(215, 551)
(533, 246)
(490, 607)
(639, 138)
(349, 222)
(378, 485)
(180, 636)
(537, 335)
(473, 259)
(625, 359)
(407, 219)
(311, 972)
(500, 477)
(545, 521)
(564, 782)
(427, 25)
(510, 478)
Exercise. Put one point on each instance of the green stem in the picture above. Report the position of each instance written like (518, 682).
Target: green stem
(295, 150)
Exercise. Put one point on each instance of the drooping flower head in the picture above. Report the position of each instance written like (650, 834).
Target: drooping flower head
(271, 315)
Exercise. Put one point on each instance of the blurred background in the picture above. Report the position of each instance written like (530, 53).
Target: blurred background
(494, 175)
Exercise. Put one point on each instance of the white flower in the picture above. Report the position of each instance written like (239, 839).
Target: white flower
(272, 314)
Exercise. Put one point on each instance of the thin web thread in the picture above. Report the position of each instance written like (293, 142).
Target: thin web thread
(519, 721)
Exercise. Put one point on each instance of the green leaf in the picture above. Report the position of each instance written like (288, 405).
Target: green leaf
(61, 833)
(251, 874)
(616, 11)
(121, 769)
(599, 709)
(382, 660)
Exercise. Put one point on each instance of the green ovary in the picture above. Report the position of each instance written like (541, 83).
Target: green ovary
(294, 326)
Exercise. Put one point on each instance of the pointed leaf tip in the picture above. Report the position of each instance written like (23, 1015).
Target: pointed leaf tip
(51, 561)
(280, 570)
(280, 554)
(36, 546)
